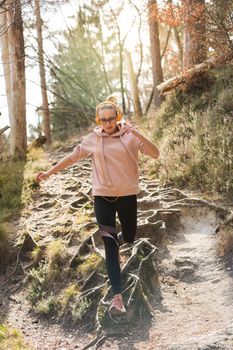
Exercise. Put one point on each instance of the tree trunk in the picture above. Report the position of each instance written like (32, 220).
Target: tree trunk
(221, 13)
(179, 45)
(4, 42)
(194, 71)
(45, 105)
(133, 85)
(6, 70)
(155, 50)
(17, 93)
(195, 50)
(121, 76)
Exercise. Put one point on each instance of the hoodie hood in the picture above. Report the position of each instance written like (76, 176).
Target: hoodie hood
(100, 132)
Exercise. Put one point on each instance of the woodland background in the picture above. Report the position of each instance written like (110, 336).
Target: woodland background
(192, 123)
(169, 66)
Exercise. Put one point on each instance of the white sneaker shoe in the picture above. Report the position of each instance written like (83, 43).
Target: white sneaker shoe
(120, 238)
(117, 306)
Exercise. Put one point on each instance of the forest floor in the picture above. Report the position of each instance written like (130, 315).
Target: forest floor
(196, 307)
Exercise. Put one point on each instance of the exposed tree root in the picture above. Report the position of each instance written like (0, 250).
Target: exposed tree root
(159, 210)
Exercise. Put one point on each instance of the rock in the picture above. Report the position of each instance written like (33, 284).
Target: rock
(185, 273)
(38, 142)
(183, 261)
(216, 280)
(28, 245)
(93, 280)
(79, 203)
(65, 196)
(148, 203)
(46, 205)
(35, 321)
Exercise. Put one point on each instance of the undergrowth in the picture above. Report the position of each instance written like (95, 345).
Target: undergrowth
(12, 339)
(48, 291)
(193, 130)
(17, 182)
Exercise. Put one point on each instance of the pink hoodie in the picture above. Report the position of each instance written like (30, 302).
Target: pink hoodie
(114, 160)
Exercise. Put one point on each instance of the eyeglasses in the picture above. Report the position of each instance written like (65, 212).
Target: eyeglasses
(110, 120)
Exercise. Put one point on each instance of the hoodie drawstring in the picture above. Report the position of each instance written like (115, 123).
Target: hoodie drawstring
(102, 164)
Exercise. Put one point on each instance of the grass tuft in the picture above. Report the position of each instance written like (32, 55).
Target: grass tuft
(92, 263)
(56, 253)
(78, 310)
(12, 339)
(47, 305)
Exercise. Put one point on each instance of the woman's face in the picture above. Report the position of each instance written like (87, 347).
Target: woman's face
(108, 120)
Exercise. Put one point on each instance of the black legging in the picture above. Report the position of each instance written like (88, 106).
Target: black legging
(105, 211)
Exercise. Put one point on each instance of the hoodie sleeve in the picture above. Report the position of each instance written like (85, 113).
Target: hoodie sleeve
(79, 153)
(147, 147)
(82, 151)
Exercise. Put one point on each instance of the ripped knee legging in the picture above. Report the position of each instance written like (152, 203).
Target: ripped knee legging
(105, 211)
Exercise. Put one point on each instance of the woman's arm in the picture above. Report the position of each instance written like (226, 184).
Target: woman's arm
(149, 147)
(63, 164)
(77, 154)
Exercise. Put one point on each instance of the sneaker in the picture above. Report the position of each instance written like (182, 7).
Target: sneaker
(117, 307)
(120, 238)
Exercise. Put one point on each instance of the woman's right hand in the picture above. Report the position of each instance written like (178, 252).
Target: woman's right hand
(42, 176)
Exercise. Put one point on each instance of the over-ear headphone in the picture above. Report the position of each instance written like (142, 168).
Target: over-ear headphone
(117, 109)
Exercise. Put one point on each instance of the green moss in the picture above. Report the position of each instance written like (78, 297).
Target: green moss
(92, 263)
(36, 254)
(68, 294)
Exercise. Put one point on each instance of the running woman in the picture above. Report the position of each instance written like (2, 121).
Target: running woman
(114, 147)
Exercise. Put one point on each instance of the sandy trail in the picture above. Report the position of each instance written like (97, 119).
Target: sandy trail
(197, 305)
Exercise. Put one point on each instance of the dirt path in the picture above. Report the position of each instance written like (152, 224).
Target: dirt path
(197, 291)
(196, 308)
(196, 312)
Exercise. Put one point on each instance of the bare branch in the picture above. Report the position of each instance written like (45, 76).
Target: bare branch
(4, 129)
(140, 39)
(166, 42)
(120, 43)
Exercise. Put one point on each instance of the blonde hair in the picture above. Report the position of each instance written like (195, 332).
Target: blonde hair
(107, 105)
(112, 98)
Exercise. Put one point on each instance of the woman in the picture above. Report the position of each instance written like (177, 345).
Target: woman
(114, 148)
